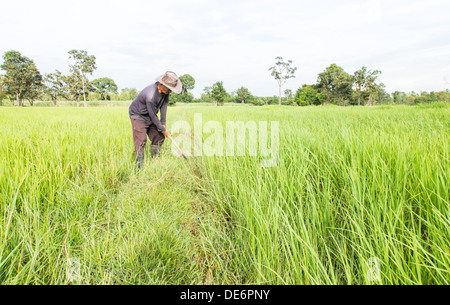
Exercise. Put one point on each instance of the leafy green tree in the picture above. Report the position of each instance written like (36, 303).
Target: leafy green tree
(443, 96)
(282, 71)
(84, 64)
(335, 84)
(288, 94)
(76, 89)
(308, 95)
(375, 92)
(3, 93)
(133, 93)
(54, 86)
(243, 94)
(432, 97)
(257, 101)
(73, 87)
(412, 97)
(105, 86)
(124, 95)
(185, 97)
(22, 79)
(399, 97)
(128, 94)
(364, 82)
(206, 95)
(360, 83)
(380, 96)
(218, 93)
(188, 81)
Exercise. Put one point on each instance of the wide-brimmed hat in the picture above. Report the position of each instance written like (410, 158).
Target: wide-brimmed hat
(171, 81)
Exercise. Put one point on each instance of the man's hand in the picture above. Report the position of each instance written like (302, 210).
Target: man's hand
(166, 133)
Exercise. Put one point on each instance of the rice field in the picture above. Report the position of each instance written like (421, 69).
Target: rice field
(359, 195)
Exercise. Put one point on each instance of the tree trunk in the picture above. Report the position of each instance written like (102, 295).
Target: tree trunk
(78, 101)
(279, 95)
(54, 101)
(17, 99)
(84, 94)
(359, 100)
(242, 101)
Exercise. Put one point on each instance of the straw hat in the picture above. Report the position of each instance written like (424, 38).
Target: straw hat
(171, 81)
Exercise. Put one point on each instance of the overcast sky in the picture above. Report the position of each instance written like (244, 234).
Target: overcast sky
(236, 42)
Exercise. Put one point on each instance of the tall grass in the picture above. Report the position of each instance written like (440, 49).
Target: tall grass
(70, 194)
(351, 184)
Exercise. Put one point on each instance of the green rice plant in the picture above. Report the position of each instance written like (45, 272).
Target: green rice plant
(352, 184)
(74, 211)
(356, 192)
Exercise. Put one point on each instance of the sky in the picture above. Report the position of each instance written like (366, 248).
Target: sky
(236, 42)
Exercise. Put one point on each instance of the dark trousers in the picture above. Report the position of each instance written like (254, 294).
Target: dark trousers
(141, 130)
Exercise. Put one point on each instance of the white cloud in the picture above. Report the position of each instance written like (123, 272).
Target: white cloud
(237, 41)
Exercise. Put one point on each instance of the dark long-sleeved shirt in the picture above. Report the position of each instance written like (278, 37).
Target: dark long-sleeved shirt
(147, 105)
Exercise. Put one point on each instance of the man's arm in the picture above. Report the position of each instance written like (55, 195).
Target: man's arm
(151, 112)
(164, 111)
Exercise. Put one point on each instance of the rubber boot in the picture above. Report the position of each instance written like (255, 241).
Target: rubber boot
(140, 160)
(155, 150)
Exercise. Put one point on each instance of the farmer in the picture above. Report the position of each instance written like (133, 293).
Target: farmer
(143, 114)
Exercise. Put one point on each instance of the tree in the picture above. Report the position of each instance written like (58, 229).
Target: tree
(443, 96)
(365, 82)
(105, 86)
(185, 97)
(308, 95)
(188, 81)
(84, 64)
(3, 93)
(128, 94)
(288, 94)
(375, 91)
(22, 79)
(206, 95)
(399, 97)
(282, 71)
(54, 86)
(360, 83)
(335, 84)
(218, 93)
(242, 94)
(75, 89)
(378, 95)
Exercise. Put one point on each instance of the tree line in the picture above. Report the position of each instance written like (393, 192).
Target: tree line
(23, 82)
(333, 86)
